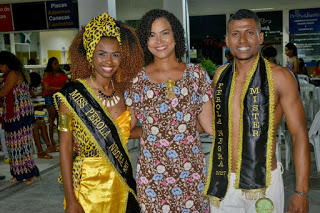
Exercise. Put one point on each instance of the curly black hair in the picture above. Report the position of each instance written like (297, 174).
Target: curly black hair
(245, 14)
(144, 30)
(14, 64)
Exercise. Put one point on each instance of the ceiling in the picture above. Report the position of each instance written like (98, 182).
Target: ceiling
(207, 7)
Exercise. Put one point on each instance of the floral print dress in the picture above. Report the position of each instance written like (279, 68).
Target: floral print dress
(171, 170)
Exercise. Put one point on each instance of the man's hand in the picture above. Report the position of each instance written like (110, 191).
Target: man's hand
(298, 204)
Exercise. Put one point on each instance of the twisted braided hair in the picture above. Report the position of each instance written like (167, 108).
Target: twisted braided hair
(131, 58)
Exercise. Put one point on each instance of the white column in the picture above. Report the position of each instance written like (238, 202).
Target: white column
(90, 9)
(285, 34)
(112, 9)
(12, 43)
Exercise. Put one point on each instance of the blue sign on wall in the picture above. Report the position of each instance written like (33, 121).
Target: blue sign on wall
(304, 21)
(59, 14)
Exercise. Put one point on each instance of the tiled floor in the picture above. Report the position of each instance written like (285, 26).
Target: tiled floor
(47, 194)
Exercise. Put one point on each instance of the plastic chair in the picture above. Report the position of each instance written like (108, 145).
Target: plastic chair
(284, 134)
(304, 77)
(317, 99)
(314, 138)
(280, 135)
(302, 81)
(206, 138)
(308, 97)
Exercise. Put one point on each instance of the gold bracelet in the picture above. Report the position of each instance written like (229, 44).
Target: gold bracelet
(64, 122)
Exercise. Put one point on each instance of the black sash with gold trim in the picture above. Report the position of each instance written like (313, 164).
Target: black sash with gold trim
(104, 132)
(255, 136)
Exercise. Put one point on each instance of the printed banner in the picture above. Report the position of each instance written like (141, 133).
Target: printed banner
(304, 21)
(59, 14)
(5, 18)
(271, 26)
(308, 45)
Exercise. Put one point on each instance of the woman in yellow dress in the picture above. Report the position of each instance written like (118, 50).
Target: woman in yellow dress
(105, 57)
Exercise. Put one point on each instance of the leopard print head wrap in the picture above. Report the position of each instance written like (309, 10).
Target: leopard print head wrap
(102, 25)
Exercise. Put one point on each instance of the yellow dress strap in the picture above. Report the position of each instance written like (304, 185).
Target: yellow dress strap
(124, 122)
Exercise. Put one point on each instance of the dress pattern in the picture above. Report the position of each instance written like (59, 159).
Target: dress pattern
(290, 67)
(171, 170)
(18, 125)
(290, 64)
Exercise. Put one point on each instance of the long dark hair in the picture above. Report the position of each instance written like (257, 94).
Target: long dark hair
(291, 46)
(14, 64)
(49, 65)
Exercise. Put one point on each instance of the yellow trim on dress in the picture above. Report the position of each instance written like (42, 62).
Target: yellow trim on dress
(124, 123)
(90, 136)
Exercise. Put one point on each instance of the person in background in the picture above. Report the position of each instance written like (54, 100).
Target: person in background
(270, 53)
(18, 118)
(3, 139)
(292, 60)
(36, 90)
(228, 56)
(316, 71)
(169, 96)
(31, 61)
(251, 95)
(53, 79)
(2, 133)
(302, 68)
(105, 57)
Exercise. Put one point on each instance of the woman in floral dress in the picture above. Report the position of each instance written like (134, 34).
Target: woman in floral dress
(169, 97)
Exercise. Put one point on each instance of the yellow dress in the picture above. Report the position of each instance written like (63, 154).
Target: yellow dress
(100, 185)
(97, 186)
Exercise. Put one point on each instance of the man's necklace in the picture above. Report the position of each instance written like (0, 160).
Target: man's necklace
(107, 100)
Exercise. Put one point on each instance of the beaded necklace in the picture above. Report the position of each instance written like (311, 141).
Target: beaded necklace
(107, 100)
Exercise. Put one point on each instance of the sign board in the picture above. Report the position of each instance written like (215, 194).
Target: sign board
(271, 26)
(5, 18)
(308, 45)
(59, 14)
(304, 27)
(304, 21)
(29, 16)
(193, 53)
(208, 27)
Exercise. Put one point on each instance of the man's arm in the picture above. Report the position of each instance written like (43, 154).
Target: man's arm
(204, 119)
(291, 104)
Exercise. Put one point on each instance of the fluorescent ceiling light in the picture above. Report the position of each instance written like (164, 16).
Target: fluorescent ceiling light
(260, 9)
